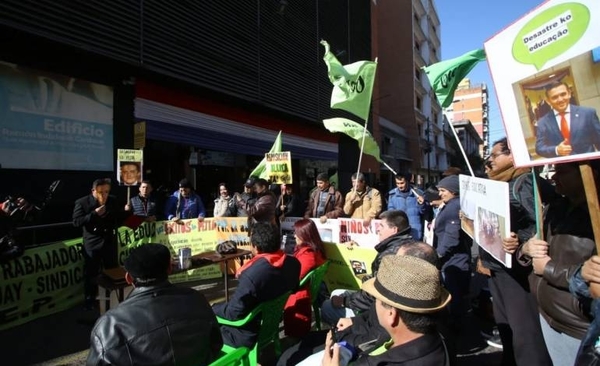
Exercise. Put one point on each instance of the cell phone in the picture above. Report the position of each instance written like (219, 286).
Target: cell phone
(334, 335)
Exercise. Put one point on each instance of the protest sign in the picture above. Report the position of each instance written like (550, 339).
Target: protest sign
(130, 167)
(347, 266)
(485, 219)
(548, 82)
(279, 167)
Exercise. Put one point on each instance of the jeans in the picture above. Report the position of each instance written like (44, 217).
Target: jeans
(562, 347)
(331, 314)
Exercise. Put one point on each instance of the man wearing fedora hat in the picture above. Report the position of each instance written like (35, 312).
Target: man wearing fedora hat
(158, 323)
(408, 295)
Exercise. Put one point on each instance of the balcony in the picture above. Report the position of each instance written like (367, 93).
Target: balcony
(433, 57)
(433, 38)
(433, 14)
(419, 60)
(420, 88)
(419, 8)
(419, 34)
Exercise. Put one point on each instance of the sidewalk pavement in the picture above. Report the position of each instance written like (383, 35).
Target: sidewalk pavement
(63, 338)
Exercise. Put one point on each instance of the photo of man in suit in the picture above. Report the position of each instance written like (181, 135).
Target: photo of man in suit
(567, 129)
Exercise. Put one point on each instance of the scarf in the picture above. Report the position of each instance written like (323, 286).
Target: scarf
(274, 259)
(507, 174)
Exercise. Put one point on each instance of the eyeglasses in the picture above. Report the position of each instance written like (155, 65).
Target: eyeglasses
(495, 155)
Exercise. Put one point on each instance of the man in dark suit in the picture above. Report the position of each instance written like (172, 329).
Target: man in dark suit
(97, 215)
(567, 129)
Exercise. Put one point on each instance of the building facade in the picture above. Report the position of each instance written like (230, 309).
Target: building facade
(212, 81)
(407, 117)
(471, 103)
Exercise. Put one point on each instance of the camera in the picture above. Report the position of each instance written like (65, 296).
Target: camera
(20, 211)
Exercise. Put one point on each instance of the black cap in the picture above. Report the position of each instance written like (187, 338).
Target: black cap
(185, 183)
(149, 262)
(249, 182)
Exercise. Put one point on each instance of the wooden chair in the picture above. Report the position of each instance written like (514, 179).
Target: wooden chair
(314, 279)
(270, 313)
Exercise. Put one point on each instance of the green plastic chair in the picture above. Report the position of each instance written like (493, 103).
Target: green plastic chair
(238, 356)
(314, 279)
(270, 313)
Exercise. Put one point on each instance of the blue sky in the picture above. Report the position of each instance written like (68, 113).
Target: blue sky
(466, 25)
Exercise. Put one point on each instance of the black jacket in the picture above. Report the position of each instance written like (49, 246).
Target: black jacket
(258, 283)
(451, 243)
(425, 350)
(157, 325)
(97, 231)
(360, 301)
(522, 222)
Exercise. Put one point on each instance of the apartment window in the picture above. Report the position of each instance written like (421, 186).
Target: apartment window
(418, 73)
(434, 51)
(434, 29)
(419, 103)
(417, 45)
(417, 20)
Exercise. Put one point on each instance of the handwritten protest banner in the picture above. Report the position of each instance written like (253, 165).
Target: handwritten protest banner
(279, 167)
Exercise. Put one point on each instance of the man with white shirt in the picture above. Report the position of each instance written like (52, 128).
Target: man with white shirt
(567, 129)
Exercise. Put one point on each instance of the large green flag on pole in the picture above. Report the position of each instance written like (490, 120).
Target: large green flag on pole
(352, 84)
(355, 131)
(261, 169)
(445, 76)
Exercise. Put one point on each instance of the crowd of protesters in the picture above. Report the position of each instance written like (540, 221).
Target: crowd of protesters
(543, 305)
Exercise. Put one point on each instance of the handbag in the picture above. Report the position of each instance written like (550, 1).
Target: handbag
(227, 247)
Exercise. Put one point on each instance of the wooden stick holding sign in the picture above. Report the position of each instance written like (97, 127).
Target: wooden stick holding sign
(591, 194)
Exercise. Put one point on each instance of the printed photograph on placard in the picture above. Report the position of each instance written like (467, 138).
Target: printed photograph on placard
(483, 218)
(558, 110)
(491, 227)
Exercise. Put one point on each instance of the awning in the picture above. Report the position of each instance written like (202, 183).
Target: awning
(178, 125)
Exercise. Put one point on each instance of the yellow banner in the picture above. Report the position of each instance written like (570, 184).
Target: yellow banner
(347, 267)
(279, 167)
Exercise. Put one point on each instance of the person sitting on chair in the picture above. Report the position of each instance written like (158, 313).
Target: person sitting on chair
(268, 275)
(159, 323)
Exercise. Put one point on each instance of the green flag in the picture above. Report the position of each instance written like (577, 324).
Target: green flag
(261, 169)
(352, 84)
(355, 131)
(444, 76)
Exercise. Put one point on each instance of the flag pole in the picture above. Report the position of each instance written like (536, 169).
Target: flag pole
(362, 147)
(461, 149)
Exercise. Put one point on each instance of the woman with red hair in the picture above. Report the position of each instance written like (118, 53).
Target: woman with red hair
(310, 251)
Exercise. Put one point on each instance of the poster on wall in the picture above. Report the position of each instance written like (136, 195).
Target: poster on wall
(51, 121)
(548, 82)
(484, 219)
(130, 167)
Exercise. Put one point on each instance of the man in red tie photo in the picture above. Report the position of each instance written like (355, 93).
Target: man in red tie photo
(567, 129)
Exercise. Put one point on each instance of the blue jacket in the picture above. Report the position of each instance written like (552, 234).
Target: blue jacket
(407, 202)
(189, 208)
